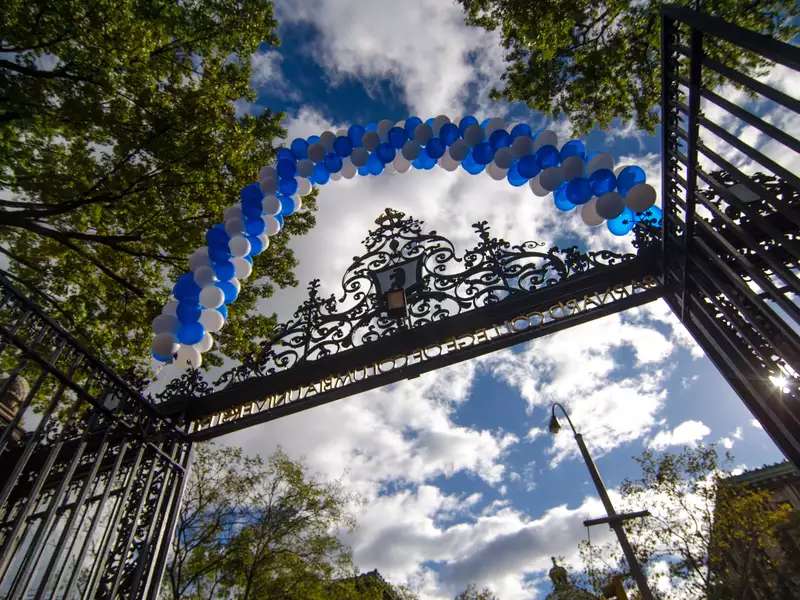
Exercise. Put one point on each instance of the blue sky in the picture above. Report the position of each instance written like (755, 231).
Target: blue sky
(459, 480)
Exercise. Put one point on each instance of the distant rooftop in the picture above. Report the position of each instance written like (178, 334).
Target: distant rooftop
(779, 470)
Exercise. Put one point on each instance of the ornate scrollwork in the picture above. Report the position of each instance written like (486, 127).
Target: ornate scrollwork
(447, 285)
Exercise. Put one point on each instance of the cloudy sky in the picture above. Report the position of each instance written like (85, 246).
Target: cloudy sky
(460, 480)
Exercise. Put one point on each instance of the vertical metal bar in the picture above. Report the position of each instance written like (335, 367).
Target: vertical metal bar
(667, 31)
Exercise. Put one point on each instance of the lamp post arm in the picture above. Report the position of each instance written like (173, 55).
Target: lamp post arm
(566, 416)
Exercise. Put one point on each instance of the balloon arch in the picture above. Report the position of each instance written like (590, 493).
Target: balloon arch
(577, 179)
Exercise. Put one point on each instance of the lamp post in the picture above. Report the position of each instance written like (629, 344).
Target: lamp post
(613, 519)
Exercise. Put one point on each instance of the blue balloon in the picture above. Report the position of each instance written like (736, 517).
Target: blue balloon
(472, 166)
(218, 253)
(312, 139)
(435, 148)
(251, 191)
(256, 247)
(579, 190)
(287, 186)
(528, 166)
(514, 177)
(191, 333)
(573, 148)
(229, 290)
(560, 198)
(622, 224)
(288, 206)
(652, 216)
(286, 168)
(385, 152)
(320, 174)
(374, 164)
(285, 154)
(217, 237)
(343, 146)
(356, 133)
(254, 227)
(332, 163)
(279, 219)
(371, 126)
(163, 357)
(223, 310)
(224, 270)
(485, 123)
(548, 156)
(397, 137)
(429, 121)
(249, 257)
(185, 288)
(500, 138)
(482, 153)
(427, 161)
(188, 311)
(299, 148)
(629, 177)
(252, 208)
(466, 122)
(411, 125)
(602, 180)
(449, 133)
(520, 130)
(363, 171)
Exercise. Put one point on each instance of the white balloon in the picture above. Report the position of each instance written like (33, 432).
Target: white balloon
(199, 258)
(298, 203)
(545, 138)
(494, 125)
(474, 135)
(242, 268)
(271, 205)
(316, 152)
(170, 308)
(165, 323)
(371, 140)
(411, 150)
(348, 169)
(521, 146)
(551, 178)
(232, 211)
(537, 188)
(264, 239)
(589, 213)
(423, 133)
(211, 296)
(165, 344)
(640, 197)
(305, 167)
(610, 205)
(438, 123)
(495, 172)
(304, 186)
(602, 161)
(448, 163)
(503, 158)
(273, 226)
(239, 245)
(236, 284)
(205, 344)
(204, 276)
(359, 156)
(573, 167)
(212, 319)
(341, 132)
(266, 172)
(459, 150)
(189, 357)
(326, 139)
(336, 176)
(268, 185)
(234, 227)
(383, 129)
(401, 163)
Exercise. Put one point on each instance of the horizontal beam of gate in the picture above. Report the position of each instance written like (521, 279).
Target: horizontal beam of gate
(573, 301)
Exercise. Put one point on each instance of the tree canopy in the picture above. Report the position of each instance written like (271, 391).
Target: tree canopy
(120, 144)
(594, 61)
(473, 593)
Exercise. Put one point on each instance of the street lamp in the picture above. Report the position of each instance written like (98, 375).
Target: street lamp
(613, 519)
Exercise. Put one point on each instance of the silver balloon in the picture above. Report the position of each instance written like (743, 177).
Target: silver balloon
(265, 172)
(610, 205)
(326, 139)
(304, 186)
(448, 163)
(271, 205)
(495, 124)
(268, 186)
(170, 308)
(165, 324)
(371, 140)
(640, 197)
(495, 172)
(459, 150)
(536, 187)
(438, 123)
(401, 163)
(589, 213)
(199, 258)
(545, 138)
(305, 167)
(423, 133)
(232, 211)
(411, 150)
(474, 135)
(551, 178)
(601, 161)
(272, 225)
(348, 169)
(165, 344)
(316, 152)
(359, 156)
(573, 167)
(521, 146)
(204, 276)
(503, 158)
(234, 227)
(383, 129)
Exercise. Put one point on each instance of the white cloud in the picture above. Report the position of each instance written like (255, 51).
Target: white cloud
(756, 424)
(687, 433)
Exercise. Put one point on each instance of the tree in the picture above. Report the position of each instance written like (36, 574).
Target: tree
(594, 61)
(473, 593)
(697, 521)
(119, 146)
(253, 529)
